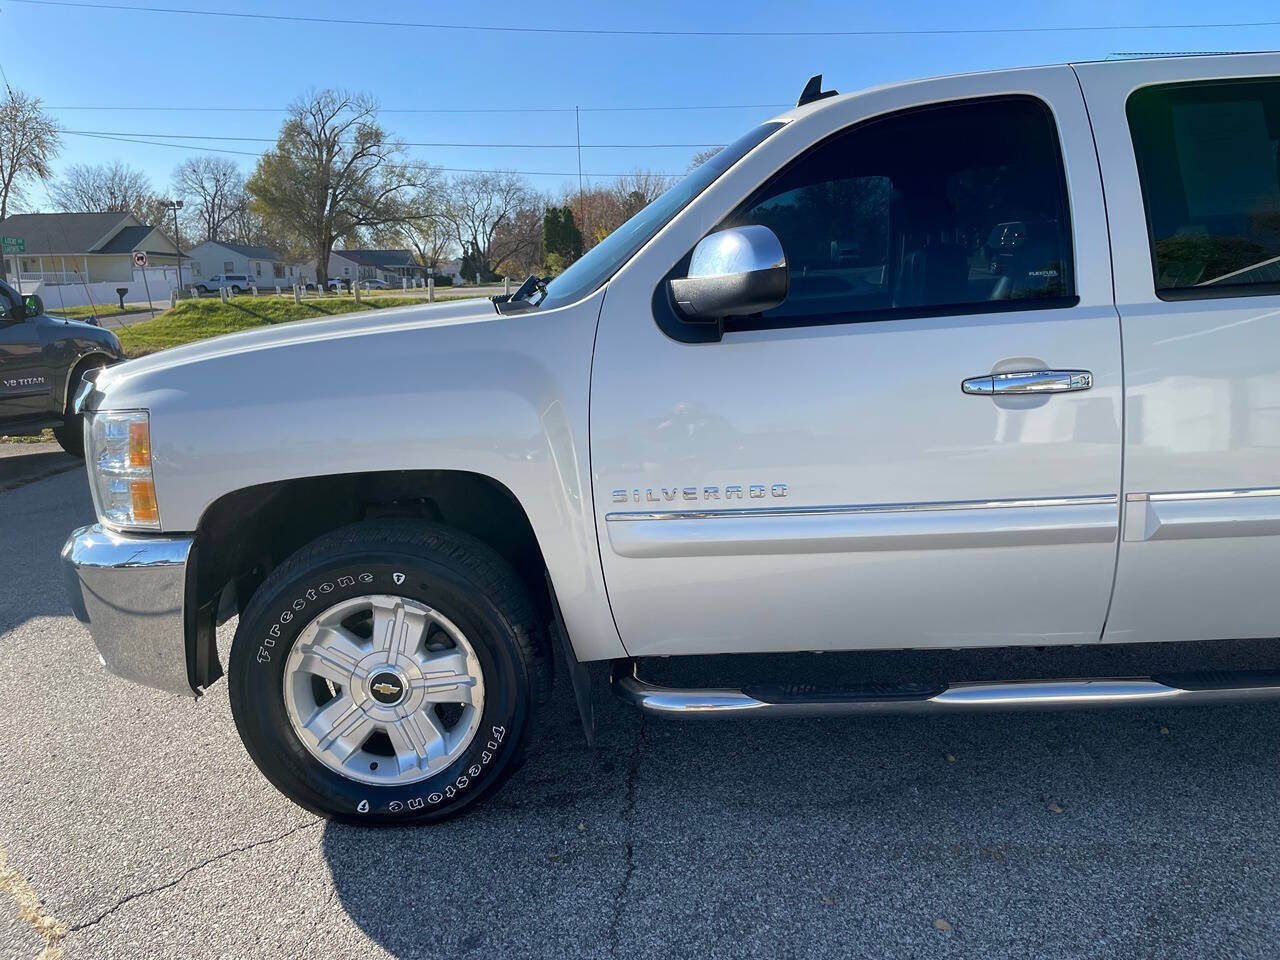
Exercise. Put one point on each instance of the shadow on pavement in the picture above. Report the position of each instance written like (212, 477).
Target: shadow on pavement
(35, 520)
(1126, 833)
(17, 466)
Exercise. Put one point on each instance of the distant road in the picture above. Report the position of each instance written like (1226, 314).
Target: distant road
(116, 321)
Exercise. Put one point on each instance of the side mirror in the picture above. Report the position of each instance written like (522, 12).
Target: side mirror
(32, 306)
(735, 272)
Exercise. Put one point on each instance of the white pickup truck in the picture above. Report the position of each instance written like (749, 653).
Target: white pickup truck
(980, 361)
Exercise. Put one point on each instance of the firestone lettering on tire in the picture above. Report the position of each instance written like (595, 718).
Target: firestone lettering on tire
(309, 595)
(462, 782)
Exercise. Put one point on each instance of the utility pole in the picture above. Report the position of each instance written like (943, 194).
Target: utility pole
(176, 205)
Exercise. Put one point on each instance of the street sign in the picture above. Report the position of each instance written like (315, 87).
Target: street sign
(13, 244)
(139, 259)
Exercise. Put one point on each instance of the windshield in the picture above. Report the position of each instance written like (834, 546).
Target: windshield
(604, 259)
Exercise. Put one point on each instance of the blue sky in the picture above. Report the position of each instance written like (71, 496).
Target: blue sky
(78, 57)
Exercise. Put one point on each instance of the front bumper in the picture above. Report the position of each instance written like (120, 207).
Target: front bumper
(131, 591)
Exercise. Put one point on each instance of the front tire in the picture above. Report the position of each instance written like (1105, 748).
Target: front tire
(388, 673)
(70, 437)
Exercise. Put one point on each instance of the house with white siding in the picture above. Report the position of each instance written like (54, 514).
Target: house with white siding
(263, 266)
(78, 248)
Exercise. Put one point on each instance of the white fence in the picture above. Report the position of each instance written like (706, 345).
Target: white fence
(56, 296)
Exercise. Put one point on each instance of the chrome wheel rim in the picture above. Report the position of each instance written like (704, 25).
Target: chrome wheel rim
(384, 690)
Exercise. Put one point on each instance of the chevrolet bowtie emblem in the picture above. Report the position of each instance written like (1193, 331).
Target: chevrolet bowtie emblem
(387, 688)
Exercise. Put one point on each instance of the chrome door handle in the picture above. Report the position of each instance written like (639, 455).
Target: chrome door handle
(1029, 382)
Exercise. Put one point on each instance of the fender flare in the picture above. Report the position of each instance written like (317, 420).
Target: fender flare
(67, 394)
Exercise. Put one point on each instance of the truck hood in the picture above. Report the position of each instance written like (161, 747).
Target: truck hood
(285, 335)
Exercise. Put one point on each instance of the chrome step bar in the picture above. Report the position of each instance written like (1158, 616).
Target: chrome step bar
(1199, 689)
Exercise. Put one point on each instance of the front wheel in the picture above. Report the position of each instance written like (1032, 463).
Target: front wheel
(201, 289)
(70, 436)
(388, 673)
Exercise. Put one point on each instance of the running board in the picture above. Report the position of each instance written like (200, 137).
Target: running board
(803, 700)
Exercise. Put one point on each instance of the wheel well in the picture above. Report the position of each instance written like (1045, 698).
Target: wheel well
(244, 535)
(76, 372)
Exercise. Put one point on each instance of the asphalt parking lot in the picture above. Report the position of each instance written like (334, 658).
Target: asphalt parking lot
(133, 825)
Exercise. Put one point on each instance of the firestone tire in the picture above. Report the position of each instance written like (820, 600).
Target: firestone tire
(427, 564)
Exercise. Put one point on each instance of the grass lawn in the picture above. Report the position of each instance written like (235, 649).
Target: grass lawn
(101, 310)
(200, 319)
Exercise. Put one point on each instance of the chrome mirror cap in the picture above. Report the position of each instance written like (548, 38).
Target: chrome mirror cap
(736, 250)
(735, 272)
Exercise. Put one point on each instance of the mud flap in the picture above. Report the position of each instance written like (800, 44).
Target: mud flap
(579, 675)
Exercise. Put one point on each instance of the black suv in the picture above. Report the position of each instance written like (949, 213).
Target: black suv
(42, 359)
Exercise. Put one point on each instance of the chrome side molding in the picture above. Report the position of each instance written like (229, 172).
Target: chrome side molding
(865, 527)
(1182, 690)
(861, 508)
(1202, 514)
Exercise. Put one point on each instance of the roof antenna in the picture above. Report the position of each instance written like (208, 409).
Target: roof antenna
(813, 91)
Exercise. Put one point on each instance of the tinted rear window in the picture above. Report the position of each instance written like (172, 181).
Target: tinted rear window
(1209, 162)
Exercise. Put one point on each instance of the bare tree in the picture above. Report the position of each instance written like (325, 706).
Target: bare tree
(247, 225)
(424, 230)
(28, 144)
(431, 239)
(521, 235)
(482, 208)
(213, 191)
(702, 156)
(637, 190)
(108, 187)
(601, 210)
(333, 173)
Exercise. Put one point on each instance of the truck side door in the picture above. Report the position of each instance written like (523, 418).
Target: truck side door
(24, 377)
(1189, 156)
(817, 478)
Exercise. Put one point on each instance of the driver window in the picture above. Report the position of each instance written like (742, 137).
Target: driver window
(957, 208)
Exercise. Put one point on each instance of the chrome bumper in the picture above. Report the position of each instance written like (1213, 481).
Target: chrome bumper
(131, 591)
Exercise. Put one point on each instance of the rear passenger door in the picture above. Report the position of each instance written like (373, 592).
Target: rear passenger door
(819, 477)
(1191, 168)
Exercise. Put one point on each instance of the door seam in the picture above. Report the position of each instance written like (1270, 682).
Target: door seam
(1124, 404)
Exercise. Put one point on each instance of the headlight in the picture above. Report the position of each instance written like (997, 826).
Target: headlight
(118, 448)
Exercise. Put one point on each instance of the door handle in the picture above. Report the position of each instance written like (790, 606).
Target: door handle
(1029, 382)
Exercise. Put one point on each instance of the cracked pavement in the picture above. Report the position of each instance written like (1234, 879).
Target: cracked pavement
(143, 829)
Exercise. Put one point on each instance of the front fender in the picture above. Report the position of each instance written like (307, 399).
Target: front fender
(503, 397)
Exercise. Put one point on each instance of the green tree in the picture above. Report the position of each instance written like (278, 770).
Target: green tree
(473, 265)
(333, 173)
(561, 238)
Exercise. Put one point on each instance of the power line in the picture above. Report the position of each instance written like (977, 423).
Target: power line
(430, 110)
(594, 31)
(405, 143)
(250, 153)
